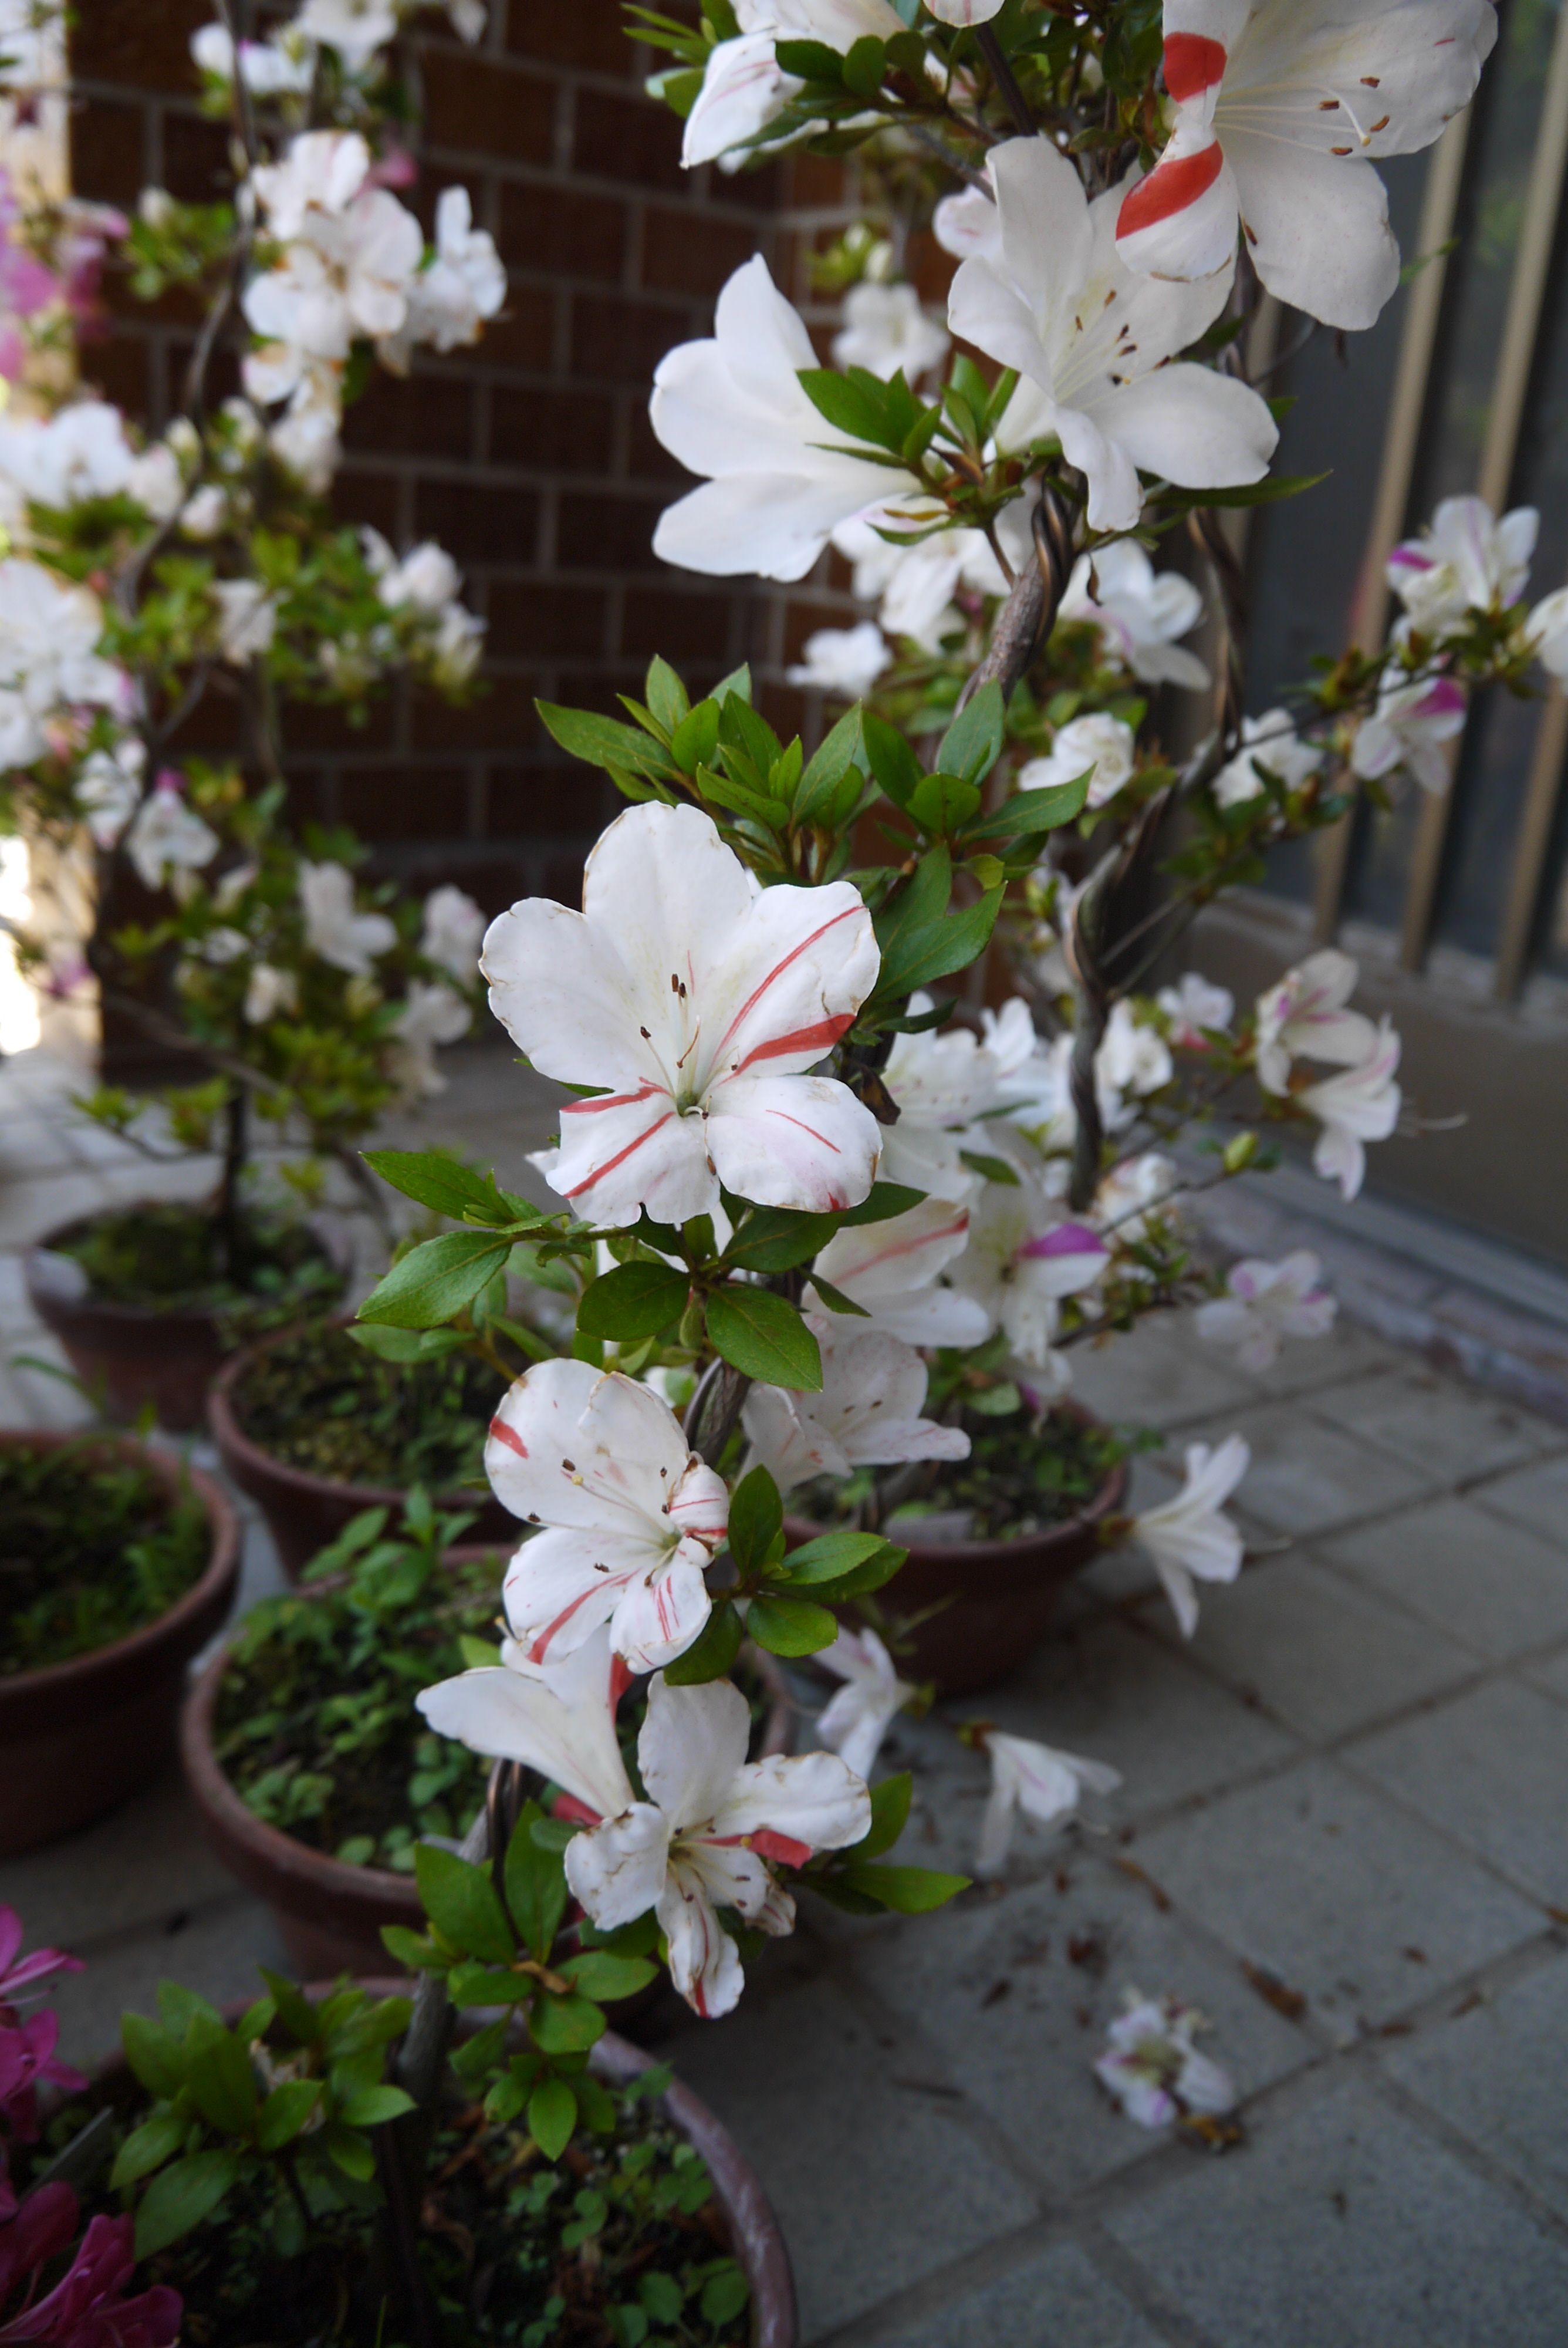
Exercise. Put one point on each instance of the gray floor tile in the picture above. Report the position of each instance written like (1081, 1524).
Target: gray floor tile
(1343, 2227)
(875, 2184)
(1321, 1656)
(1158, 1376)
(1108, 1690)
(1436, 1424)
(1536, 1497)
(1493, 1769)
(216, 1952)
(145, 1864)
(1057, 2301)
(1308, 1363)
(1018, 1992)
(1497, 1586)
(1552, 1675)
(1496, 2072)
(1336, 1892)
(1308, 1478)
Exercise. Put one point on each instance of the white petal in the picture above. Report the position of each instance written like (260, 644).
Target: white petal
(618, 1872)
(793, 1141)
(561, 1722)
(1195, 428)
(661, 1612)
(693, 1742)
(704, 1963)
(1317, 228)
(815, 1800)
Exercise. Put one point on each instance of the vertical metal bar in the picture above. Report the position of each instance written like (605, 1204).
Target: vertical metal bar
(1537, 235)
(1401, 439)
(1542, 794)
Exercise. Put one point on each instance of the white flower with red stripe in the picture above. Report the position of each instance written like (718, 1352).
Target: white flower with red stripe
(630, 1516)
(1096, 345)
(697, 1001)
(858, 1718)
(743, 85)
(868, 1414)
(893, 1271)
(1282, 107)
(703, 1838)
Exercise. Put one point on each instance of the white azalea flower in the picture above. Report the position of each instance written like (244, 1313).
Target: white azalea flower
(1193, 1006)
(109, 788)
(320, 174)
(1306, 1017)
(427, 578)
(1411, 722)
(855, 1721)
(1265, 1304)
(306, 443)
(844, 662)
(454, 933)
(1021, 1259)
(1134, 1061)
(80, 453)
(1154, 2071)
(1271, 744)
(916, 584)
(631, 1515)
(1468, 560)
(1546, 631)
(1095, 342)
(429, 1015)
(868, 1414)
(780, 478)
(1190, 1539)
(1042, 1783)
(886, 329)
(205, 512)
(893, 1271)
(969, 225)
(943, 1083)
(1098, 746)
(1282, 107)
(168, 838)
(350, 940)
(1360, 1104)
(49, 635)
(282, 66)
(743, 86)
(455, 652)
(466, 283)
(355, 28)
(1133, 1193)
(269, 991)
(247, 619)
(1140, 614)
(698, 1000)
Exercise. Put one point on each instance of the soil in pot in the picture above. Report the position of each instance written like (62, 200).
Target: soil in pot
(92, 1549)
(148, 1300)
(992, 1539)
(320, 1403)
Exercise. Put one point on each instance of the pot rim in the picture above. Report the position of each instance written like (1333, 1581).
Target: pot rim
(991, 1553)
(223, 1524)
(196, 1318)
(301, 1864)
(231, 1438)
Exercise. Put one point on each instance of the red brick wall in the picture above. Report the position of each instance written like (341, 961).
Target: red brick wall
(530, 458)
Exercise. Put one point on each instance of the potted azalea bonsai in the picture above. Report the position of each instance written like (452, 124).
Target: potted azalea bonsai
(118, 1565)
(148, 581)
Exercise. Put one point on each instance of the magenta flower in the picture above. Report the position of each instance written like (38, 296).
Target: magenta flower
(86, 2308)
(28, 2061)
(19, 1973)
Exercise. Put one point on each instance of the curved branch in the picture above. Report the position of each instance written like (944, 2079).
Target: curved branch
(1027, 617)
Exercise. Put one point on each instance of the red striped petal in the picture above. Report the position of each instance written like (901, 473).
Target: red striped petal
(1192, 65)
(1171, 188)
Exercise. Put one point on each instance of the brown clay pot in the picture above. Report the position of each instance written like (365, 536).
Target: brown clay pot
(328, 1913)
(994, 1599)
(131, 1353)
(305, 1513)
(756, 2240)
(79, 1737)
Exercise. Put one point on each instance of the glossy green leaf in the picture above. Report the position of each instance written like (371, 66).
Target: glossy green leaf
(566, 2025)
(764, 1336)
(434, 1282)
(552, 2116)
(756, 1520)
(778, 1238)
(1028, 812)
(599, 1973)
(182, 2195)
(634, 1300)
(887, 1200)
(158, 2139)
(460, 1901)
(154, 2054)
(893, 764)
(219, 2075)
(909, 1890)
(285, 2112)
(710, 1655)
(943, 804)
(536, 1884)
(790, 1626)
(437, 1180)
(374, 2107)
(973, 742)
(602, 741)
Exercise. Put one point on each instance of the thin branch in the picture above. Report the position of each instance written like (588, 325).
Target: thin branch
(1018, 106)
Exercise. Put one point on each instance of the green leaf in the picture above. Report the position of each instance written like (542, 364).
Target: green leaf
(695, 742)
(350, 2150)
(766, 1337)
(943, 804)
(285, 2112)
(158, 2139)
(662, 2297)
(829, 1555)
(725, 2294)
(668, 699)
(434, 1282)
(552, 2115)
(536, 1884)
(736, 686)
(219, 2075)
(374, 2107)
(865, 66)
(599, 1974)
(972, 743)
(893, 762)
(851, 403)
(181, 2196)
(939, 948)
(994, 1169)
(709, 1657)
(836, 1299)
(602, 741)
(809, 60)
(437, 1180)
(410, 1949)
(833, 759)
(460, 1901)
(777, 1239)
(154, 2054)
(887, 1200)
(566, 2025)
(634, 1300)
(790, 1626)
(756, 1520)
(406, 1344)
(890, 1816)
(1028, 812)
(911, 1891)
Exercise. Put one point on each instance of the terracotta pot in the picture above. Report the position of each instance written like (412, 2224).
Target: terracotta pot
(328, 1913)
(994, 1598)
(305, 1513)
(133, 1354)
(755, 2239)
(79, 1737)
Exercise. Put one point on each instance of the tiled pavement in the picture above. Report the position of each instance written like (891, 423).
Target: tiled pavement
(1343, 1834)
